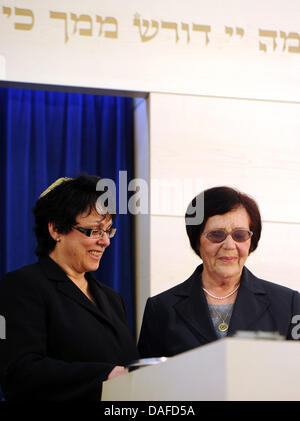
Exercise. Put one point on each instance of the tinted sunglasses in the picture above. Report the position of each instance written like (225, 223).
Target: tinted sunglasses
(218, 236)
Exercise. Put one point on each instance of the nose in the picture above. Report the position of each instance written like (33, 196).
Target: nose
(229, 242)
(104, 240)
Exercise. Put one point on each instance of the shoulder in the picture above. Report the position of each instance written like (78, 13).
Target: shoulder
(276, 292)
(277, 288)
(268, 286)
(19, 286)
(25, 274)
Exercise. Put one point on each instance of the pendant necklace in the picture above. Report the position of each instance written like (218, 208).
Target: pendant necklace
(223, 326)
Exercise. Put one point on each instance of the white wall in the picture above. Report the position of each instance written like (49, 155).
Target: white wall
(230, 48)
(251, 145)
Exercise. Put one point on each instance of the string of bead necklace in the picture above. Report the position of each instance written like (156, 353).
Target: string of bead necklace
(221, 298)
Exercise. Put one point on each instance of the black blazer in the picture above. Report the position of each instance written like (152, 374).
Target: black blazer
(178, 319)
(59, 345)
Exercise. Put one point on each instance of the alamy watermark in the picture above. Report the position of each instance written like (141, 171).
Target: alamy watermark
(169, 196)
(296, 329)
(2, 327)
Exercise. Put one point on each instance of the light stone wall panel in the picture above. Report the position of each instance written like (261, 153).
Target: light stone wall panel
(250, 145)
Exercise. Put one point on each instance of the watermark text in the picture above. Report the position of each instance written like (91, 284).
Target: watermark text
(169, 197)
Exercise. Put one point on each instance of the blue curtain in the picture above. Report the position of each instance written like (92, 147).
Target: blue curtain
(46, 135)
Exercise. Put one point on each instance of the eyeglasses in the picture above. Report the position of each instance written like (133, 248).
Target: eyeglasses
(96, 234)
(218, 236)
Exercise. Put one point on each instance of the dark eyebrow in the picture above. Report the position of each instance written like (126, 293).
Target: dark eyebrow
(224, 229)
(100, 226)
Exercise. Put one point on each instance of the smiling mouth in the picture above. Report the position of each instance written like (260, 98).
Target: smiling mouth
(96, 253)
(228, 259)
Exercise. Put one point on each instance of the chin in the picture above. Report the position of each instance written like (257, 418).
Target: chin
(95, 267)
(233, 273)
(92, 267)
(229, 272)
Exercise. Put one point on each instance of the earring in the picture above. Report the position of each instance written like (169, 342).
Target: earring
(57, 240)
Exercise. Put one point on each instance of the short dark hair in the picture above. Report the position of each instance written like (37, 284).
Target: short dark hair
(61, 206)
(218, 201)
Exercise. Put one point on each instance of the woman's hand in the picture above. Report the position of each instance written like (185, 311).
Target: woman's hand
(117, 371)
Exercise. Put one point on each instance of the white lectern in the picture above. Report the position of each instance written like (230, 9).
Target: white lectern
(229, 369)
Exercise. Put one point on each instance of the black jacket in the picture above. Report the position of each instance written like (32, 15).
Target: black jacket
(59, 345)
(178, 319)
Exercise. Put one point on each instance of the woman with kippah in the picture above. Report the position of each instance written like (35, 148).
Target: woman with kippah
(66, 333)
(222, 296)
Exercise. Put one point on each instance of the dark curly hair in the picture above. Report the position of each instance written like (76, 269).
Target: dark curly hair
(218, 201)
(61, 206)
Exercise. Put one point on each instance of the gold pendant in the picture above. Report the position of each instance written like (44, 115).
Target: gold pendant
(223, 327)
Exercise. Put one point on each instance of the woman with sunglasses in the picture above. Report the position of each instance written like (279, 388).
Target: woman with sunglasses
(222, 296)
(66, 332)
